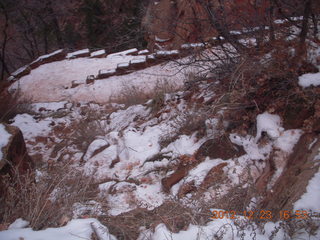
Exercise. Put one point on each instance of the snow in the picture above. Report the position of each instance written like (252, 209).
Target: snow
(94, 146)
(142, 52)
(4, 139)
(192, 45)
(98, 53)
(109, 71)
(123, 53)
(288, 140)
(75, 230)
(48, 55)
(269, 123)
(55, 79)
(76, 53)
(18, 224)
(197, 174)
(223, 229)
(309, 79)
(157, 39)
(141, 59)
(20, 70)
(30, 127)
(123, 65)
(167, 53)
(235, 33)
(50, 106)
(310, 199)
(84, 209)
(184, 145)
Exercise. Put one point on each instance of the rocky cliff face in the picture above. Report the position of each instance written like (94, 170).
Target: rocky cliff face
(171, 23)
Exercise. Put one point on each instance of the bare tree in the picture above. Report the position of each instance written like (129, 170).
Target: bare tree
(4, 67)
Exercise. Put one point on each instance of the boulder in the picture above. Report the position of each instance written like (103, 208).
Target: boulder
(186, 188)
(214, 176)
(221, 148)
(300, 168)
(14, 158)
(175, 177)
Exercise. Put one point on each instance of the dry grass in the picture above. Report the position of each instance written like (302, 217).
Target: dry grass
(132, 95)
(44, 202)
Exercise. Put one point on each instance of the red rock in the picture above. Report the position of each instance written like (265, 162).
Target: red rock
(15, 161)
(214, 176)
(221, 148)
(174, 178)
(186, 188)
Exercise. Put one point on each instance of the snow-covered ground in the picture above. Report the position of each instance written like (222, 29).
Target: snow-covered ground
(55, 79)
(128, 158)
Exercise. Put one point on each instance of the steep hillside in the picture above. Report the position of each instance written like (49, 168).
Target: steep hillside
(216, 139)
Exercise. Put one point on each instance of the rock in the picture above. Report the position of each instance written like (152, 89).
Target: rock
(75, 83)
(295, 177)
(15, 161)
(171, 23)
(221, 148)
(214, 176)
(175, 177)
(186, 188)
(14, 154)
(90, 79)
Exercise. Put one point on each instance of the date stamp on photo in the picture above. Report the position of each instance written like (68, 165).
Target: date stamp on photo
(263, 214)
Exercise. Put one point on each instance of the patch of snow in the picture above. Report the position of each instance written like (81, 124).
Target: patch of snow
(98, 53)
(269, 123)
(48, 55)
(157, 39)
(310, 199)
(235, 32)
(288, 140)
(11, 78)
(167, 53)
(200, 172)
(20, 70)
(94, 146)
(192, 45)
(89, 208)
(50, 106)
(123, 65)
(280, 21)
(223, 229)
(74, 230)
(109, 71)
(104, 188)
(312, 143)
(76, 53)
(31, 127)
(142, 52)
(197, 174)
(141, 59)
(184, 145)
(18, 224)
(123, 53)
(251, 147)
(309, 79)
(4, 139)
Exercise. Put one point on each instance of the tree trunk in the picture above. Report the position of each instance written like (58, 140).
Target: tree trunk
(304, 30)
(4, 68)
